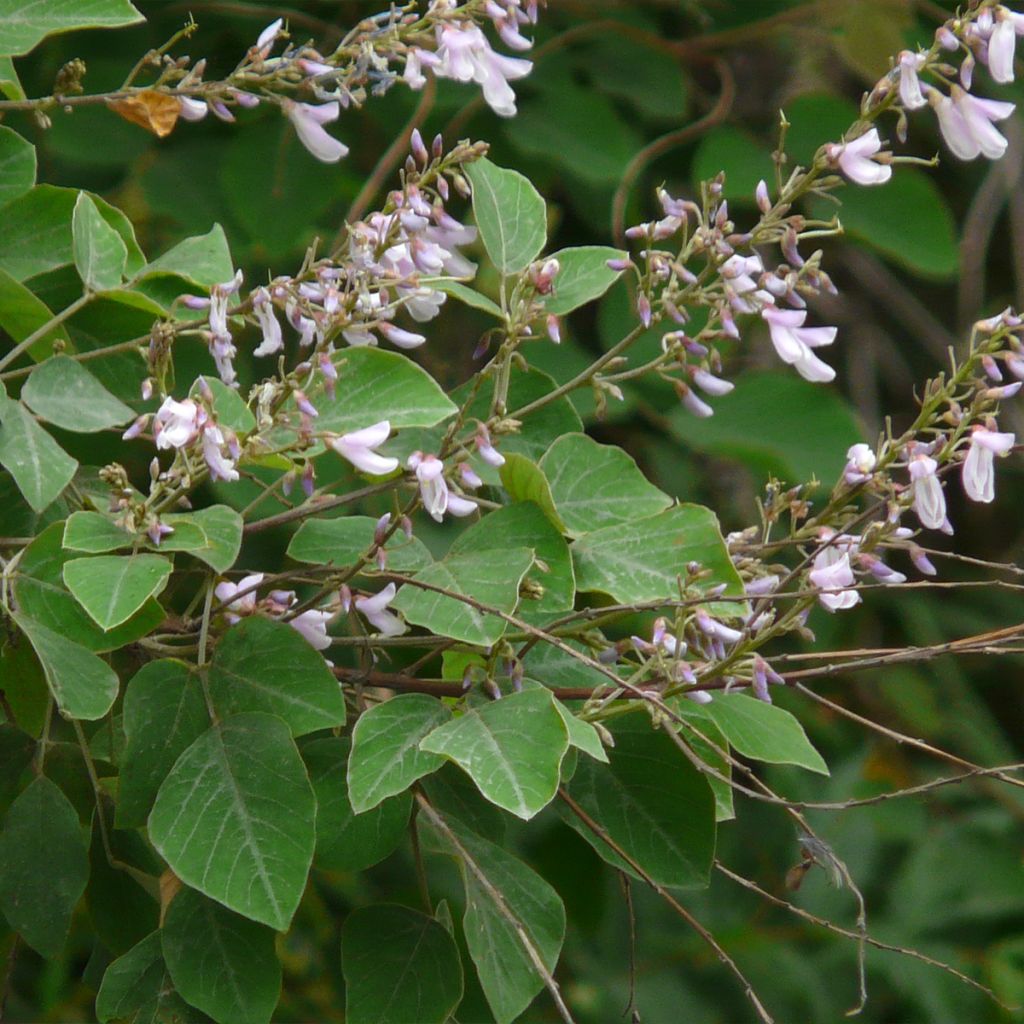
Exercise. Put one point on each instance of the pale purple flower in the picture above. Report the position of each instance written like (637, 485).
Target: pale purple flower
(966, 123)
(429, 471)
(832, 575)
(692, 402)
(374, 609)
(709, 383)
(357, 447)
(136, 428)
(469, 476)
(177, 423)
(715, 629)
(860, 463)
(922, 562)
(910, 85)
(978, 474)
(460, 506)
(487, 451)
(312, 627)
(1001, 46)
(272, 341)
(219, 295)
(399, 337)
(235, 608)
(308, 120)
(794, 342)
(878, 569)
(664, 638)
(761, 675)
(929, 498)
(463, 53)
(268, 36)
(221, 467)
(857, 161)
(190, 109)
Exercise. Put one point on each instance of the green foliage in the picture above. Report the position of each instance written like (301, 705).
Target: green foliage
(384, 942)
(24, 25)
(235, 818)
(510, 214)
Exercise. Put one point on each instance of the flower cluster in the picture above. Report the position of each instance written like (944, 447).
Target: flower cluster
(238, 600)
(461, 52)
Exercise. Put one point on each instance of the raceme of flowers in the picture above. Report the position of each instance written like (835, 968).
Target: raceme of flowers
(461, 52)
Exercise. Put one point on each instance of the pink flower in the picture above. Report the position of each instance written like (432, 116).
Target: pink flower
(1001, 46)
(487, 451)
(312, 626)
(794, 342)
(856, 159)
(832, 575)
(966, 123)
(177, 423)
(220, 465)
(860, 463)
(464, 54)
(374, 609)
(309, 120)
(192, 110)
(429, 471)
(978, 475)
(272, 341)
(357, 446)
(910, 85)
(929, 499)
(235, 608)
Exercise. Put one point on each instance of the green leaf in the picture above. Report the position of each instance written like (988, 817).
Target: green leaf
(578, 131)
(469, 297)
(16, 749)
(597, 485)
(512, 749)
(775, 423)
(222, 529)
(164, 714)
(507, 972)
(525, 482)
(40, 467)
(203, 261)
(219, 961)
(375, 385)
(235, 818)
(491, 578)
(99, 252)
(652, 802)
(17, 165)
(642, 560)
(399, 966)
(510, 214)
(582, 735)
(10, 84)
(262, 665)
(908, 219)
(136, 987)
(711, 747)
(45, 866)
(583, 275)
(37, 233)
(519, 526)
(386, 758)
(344, 541)
(763, 731)
(83, 685)
(41, 595)
(65, 393)
(22, 313)
(346, 841)
(112, 588)
(95, 533)
(23, 23)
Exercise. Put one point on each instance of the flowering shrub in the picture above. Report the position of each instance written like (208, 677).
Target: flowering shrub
(475, 611)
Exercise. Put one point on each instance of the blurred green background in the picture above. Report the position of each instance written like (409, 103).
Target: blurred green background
(924, 256)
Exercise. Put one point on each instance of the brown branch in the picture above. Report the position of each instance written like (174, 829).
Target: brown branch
(672, 902)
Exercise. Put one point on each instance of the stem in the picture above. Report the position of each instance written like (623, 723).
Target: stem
(41, 332)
